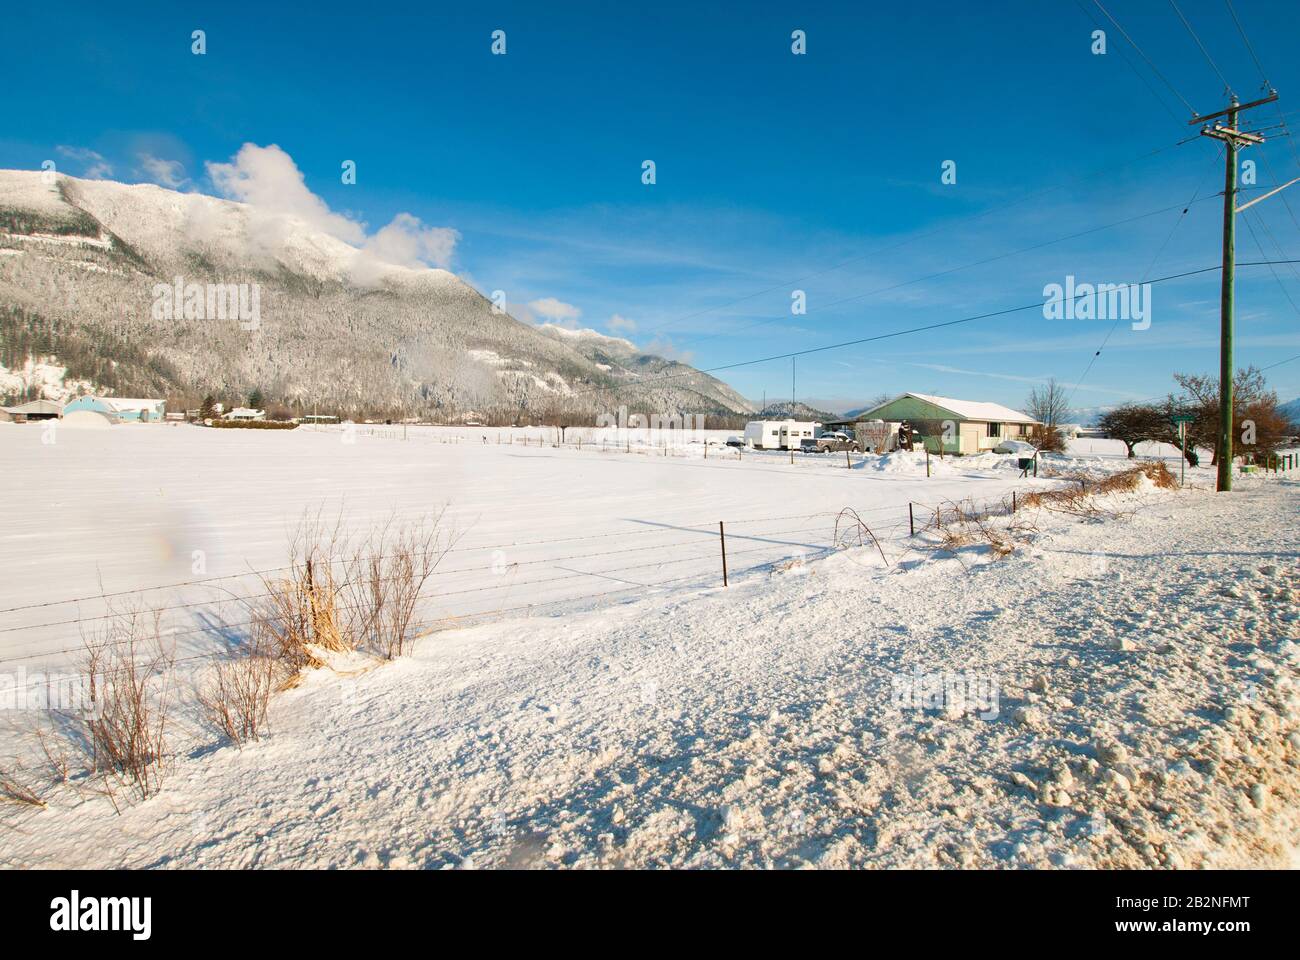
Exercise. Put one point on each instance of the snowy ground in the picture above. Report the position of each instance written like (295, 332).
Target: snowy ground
(1145, 666)
(103, 511)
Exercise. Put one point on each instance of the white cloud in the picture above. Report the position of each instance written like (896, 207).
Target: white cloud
(557, 311)
(405, 242)
(268, 180)
(95, 166)
(621, 324)
(663, 347)
(165, 173)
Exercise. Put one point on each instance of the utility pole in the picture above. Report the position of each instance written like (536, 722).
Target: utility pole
(1233, 140)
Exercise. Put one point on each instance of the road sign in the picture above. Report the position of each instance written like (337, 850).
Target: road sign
(1183, 417)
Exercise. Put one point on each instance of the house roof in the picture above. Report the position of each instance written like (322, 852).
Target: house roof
(963, 409)
(119, 404)
(36, 406)
(130, 403)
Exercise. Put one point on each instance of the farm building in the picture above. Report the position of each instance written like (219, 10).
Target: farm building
(976, 425)
(246, 413)
(121, 408)
(32, 410)
(778, 434)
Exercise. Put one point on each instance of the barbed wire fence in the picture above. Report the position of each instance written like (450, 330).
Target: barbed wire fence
(491, 581)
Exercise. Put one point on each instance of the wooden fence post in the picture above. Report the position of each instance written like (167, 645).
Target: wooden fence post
(722, 539)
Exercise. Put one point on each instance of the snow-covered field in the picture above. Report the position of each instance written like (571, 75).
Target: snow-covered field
(1129, 679)
(99, 512)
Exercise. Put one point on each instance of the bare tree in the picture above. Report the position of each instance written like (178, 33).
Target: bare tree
(1049, 405)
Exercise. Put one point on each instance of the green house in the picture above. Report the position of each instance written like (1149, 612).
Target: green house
(959, 426)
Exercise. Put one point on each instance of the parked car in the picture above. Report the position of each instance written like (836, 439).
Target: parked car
(1015, 446)
(735, 441)
(810, 445)
(834, 443)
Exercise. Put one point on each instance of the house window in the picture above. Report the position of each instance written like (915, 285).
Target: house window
(995, 429)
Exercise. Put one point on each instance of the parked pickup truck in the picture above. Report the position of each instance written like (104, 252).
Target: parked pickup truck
(833, 442)
(828, 443)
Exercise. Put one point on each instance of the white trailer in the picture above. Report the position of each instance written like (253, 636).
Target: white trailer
(778, 434)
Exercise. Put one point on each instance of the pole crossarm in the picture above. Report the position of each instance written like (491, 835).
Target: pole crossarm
(1272, 95)
(1239, 137)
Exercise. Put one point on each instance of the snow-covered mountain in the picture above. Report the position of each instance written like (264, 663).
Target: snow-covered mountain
(785, 410)
(1292, 410)
(88, 271)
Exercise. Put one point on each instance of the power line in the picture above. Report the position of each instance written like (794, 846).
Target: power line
(1281, 116)
(1138, 73)
(902, 243)
(1151, 266)
(910, 330)
(1142, 54)
(1280, 362)
(951, 270)
(1208, 59)
(1249, 46)
(637, 385)
(1286, 293)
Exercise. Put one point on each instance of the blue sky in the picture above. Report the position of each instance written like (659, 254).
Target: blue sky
(775, 172)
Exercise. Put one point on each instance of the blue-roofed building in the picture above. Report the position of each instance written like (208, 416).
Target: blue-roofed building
(121, 408)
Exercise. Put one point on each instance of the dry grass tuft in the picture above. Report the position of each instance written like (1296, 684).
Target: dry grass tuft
(1080, 501)
(342, 594)
(15, 788)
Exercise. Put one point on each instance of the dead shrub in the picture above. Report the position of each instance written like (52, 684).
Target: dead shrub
(384, 580)
(237, 694)
(1069, 500)
(129, 671)
(964, 524)
(1154, 470)
(1080, 502)
(851, 530)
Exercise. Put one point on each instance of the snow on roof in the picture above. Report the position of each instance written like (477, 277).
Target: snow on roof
(36, 406)
(965, 409)
(118, 404)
